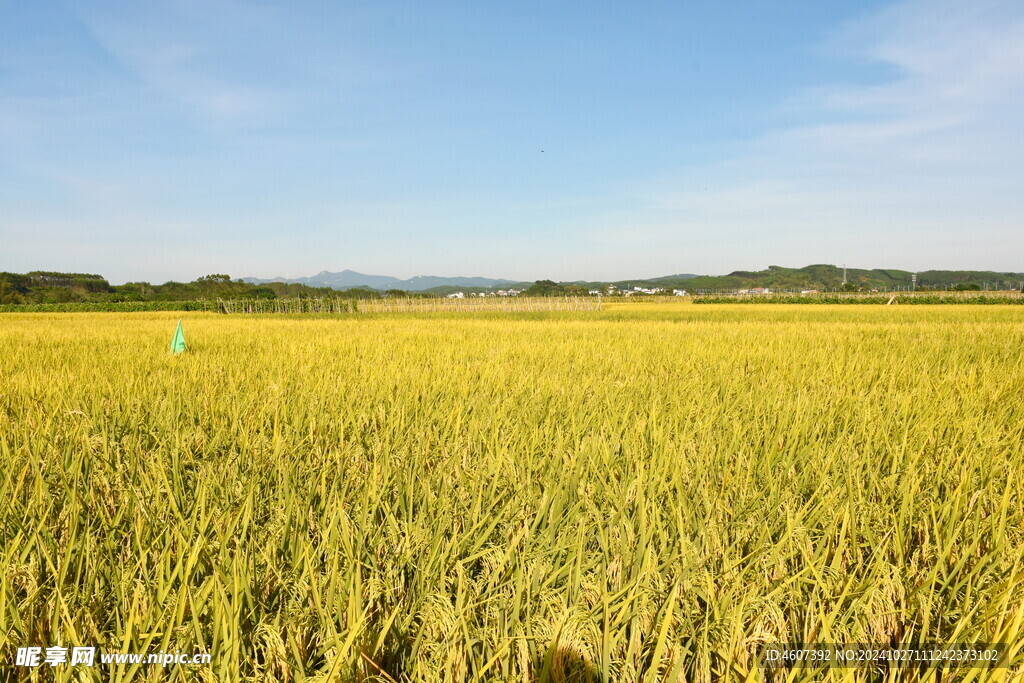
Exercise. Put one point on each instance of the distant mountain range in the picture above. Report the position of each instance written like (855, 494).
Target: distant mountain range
(348, 279)
(819, 276)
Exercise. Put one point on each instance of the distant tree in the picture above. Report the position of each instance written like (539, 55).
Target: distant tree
(13, 288)
(220, 285)
(361, 293)
(544, 288)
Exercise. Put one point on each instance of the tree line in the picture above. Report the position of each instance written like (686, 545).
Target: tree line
(39, 287)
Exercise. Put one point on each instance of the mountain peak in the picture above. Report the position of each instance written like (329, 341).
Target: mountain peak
(347, 279)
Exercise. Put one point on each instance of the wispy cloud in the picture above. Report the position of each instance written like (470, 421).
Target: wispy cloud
(197, 55)
(929, 160)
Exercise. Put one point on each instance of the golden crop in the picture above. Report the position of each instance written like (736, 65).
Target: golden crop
(639, 494)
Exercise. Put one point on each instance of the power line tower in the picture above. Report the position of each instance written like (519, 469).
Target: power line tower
(844, 275)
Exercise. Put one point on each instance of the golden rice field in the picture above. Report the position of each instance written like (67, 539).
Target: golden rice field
(645, 493)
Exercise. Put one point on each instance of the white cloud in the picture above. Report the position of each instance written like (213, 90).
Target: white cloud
(917, 170)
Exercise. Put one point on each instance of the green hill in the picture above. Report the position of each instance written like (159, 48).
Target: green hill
(829, 277)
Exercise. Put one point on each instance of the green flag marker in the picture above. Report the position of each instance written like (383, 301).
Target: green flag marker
(178, 343)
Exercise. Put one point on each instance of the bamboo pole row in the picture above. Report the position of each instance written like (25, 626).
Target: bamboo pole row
(481, 304)
(313, 305)
(340, 305)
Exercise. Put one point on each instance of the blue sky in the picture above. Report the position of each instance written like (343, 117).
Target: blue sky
(572, 140)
